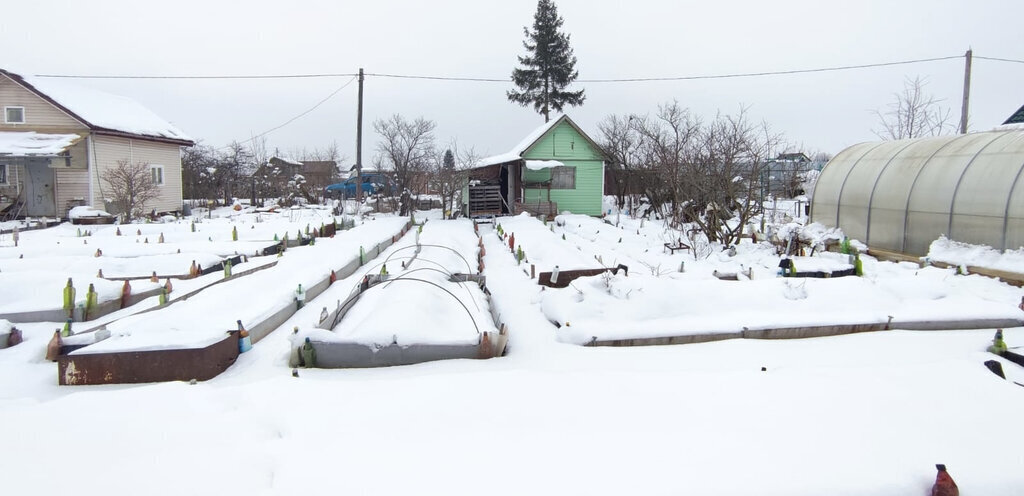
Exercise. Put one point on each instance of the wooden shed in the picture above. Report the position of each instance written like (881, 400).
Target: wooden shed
(556, 168)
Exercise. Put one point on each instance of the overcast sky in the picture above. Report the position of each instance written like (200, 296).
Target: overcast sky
(475, 38)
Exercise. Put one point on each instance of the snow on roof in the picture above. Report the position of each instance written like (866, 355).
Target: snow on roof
(1017, 126)
(104, 110)
(542, 164)
(516, 152)
(32, 143)
(286, 160)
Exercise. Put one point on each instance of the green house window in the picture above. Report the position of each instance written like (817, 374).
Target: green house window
(3, 174)
(563, 177)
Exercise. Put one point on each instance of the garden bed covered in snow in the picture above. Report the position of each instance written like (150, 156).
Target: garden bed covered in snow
(429, 306)
(200, 327)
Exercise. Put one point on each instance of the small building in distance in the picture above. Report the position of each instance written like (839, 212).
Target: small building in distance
(273, 176)
(555, 168)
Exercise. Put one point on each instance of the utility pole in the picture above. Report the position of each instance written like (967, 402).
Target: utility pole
(359, 143)
(967, 92)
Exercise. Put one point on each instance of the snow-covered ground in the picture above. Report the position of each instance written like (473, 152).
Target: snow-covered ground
(865, 414)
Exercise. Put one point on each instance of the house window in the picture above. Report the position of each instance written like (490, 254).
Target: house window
(14, 115)
(3, 174)
(157, 174)
(563, 177)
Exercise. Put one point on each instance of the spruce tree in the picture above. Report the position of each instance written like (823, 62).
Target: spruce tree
(548, 67)
(449, 160)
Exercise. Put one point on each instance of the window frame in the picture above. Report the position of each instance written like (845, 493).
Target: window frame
(563, 171)
(5, 170)
(153, 172)
(8, 108)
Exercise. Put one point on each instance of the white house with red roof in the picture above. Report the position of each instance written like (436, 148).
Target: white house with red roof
(57, 139)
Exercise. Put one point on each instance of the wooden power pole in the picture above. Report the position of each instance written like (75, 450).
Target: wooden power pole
(967, 92)
(359, 143)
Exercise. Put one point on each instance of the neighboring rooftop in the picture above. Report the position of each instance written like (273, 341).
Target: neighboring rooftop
(1017, 117)
(101, 111)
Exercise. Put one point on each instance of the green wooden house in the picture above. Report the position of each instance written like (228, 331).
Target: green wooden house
(556, 168)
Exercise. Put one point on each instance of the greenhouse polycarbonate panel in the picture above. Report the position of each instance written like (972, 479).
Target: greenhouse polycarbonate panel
(856, 195)
(1014, 233)
(887, 229)
(891, 193)
(1015, 206)
(980, 203)
(830, 183)
(931, 224)
(929, 211)
(978, 230)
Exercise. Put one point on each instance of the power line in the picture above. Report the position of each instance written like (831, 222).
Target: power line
(999, 59)
(243, 76)
(507, 80)
(768, 73)
(293, 119)
(442, 78)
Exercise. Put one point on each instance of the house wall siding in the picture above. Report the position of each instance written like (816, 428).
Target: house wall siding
(72, 179)
(111, 149)
(40, 115)
(562, 143)
(565, 144)
(585, 199)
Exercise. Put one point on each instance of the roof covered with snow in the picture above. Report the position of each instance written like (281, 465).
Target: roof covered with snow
(31, 143)
(100, 110)
(517, 151)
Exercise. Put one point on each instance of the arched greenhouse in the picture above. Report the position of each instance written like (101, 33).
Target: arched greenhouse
(902, 195)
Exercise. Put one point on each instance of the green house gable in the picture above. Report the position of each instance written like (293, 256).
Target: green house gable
(577, 185)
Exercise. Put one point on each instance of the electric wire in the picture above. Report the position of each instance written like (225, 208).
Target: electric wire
(353, 77)
(683, 78)
(508, 79)
(999, 59)
(236, 76)
(293, 119)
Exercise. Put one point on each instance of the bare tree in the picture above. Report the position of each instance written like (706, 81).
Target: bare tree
(406, 148)
(131, 188)
(913, 114)
(667, 142)
(621, 143)
(707, 175)
(445, 174)
(197, 166)
(258, 183)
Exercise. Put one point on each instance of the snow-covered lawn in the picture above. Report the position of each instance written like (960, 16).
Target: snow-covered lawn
(865, 414)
